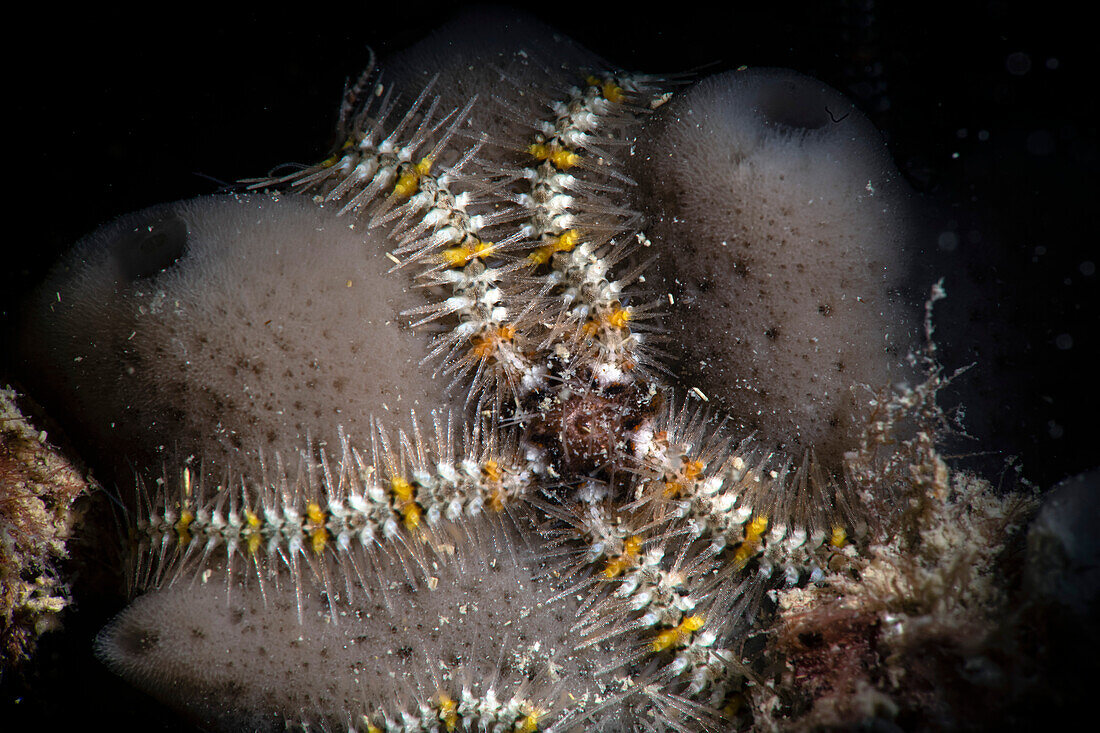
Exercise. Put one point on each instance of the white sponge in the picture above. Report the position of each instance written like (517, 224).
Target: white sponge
(780, 224)
(223, 326)
(491, 628)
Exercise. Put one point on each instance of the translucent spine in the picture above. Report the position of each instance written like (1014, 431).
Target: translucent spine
(683, 567)
(404, 492)
(577, 234)
(469, 711)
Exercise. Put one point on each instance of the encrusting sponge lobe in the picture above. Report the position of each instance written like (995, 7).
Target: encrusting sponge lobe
(224, 326)
(439, 631)
(484, 54)
(780, 225)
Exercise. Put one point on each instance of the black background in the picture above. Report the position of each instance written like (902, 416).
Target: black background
(114, 111)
